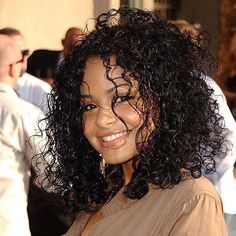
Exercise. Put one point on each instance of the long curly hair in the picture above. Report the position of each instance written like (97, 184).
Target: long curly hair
(169, 66)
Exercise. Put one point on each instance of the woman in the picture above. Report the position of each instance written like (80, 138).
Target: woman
(131, 127)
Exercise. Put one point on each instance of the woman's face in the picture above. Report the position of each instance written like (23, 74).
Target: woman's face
(102, 127)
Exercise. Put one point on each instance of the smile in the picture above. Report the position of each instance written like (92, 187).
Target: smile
(113, 137)
(114, 140)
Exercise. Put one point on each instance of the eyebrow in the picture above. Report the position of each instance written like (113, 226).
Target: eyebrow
(108, 91)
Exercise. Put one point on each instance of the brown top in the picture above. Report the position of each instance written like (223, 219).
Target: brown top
(192, 207)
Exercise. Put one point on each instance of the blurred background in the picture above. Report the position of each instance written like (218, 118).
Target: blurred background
(44, 23)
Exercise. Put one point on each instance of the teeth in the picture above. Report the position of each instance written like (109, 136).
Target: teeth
(113, 137)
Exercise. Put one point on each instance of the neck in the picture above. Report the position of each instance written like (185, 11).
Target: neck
(128, 171)
(9, 81)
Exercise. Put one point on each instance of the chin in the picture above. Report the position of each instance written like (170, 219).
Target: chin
(118, 159)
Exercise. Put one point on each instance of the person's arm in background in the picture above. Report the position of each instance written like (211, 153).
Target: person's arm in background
(14, 181)
(223, 178)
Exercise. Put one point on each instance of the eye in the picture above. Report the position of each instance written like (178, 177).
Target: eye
(89, 107)
(120, 99)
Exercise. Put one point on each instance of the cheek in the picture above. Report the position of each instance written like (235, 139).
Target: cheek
(131, 116)
(87, 126)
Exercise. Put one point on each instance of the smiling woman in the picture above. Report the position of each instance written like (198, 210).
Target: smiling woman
(133, 94)
(112, 137)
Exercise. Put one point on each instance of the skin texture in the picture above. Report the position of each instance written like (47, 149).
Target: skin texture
(20, 41)
(10, 61)
(100, 121)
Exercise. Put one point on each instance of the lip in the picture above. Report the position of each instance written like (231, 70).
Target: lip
(113, 140)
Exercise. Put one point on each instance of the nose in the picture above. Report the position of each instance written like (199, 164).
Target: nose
(106, 117)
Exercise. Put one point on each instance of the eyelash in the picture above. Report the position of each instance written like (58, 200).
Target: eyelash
(86, 107)
(125, 98)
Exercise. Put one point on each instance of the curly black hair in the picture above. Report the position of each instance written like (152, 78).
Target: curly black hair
(169, 66)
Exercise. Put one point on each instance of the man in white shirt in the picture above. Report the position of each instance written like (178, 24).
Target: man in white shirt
(29, 87)
(42, 210)
(18, 122)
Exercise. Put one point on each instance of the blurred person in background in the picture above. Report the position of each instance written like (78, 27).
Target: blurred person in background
(44, 63)
(28, 87)
(43, 208)
(18, 122)
(223, 178)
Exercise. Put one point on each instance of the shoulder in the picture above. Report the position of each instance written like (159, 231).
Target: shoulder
(17, 106)
(218, 94)
(19, 120)
(212, 84)
(188, 208)
(187, 190)
(199, 186)
(27, 80)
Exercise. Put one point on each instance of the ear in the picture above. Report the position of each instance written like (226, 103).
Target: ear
(12, 70)
(63, 42)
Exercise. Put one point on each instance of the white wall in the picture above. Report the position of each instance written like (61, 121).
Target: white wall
(44, 22)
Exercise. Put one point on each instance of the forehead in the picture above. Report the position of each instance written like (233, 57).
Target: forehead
(9, 50)
(19, 39)
(95, 75)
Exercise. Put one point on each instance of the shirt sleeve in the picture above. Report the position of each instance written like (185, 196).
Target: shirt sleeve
(13, 195)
